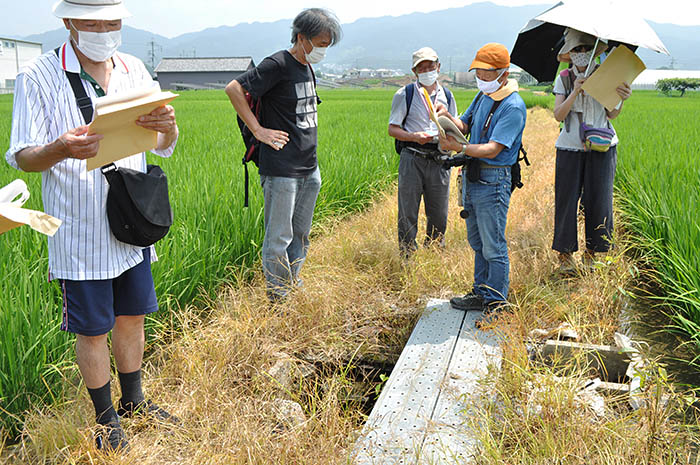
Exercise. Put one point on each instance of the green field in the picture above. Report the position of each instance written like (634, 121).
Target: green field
(214, 240)
(658, 181)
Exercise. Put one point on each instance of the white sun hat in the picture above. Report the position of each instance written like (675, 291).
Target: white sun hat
(106, 10)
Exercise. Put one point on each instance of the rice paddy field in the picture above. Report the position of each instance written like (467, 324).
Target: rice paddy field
(658, 190)
(215, 240)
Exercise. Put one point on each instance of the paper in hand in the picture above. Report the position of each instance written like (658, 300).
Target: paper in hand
(115, 119)
(622, 65)
(12, 215)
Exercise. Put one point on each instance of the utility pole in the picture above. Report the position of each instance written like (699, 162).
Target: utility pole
(152, 52)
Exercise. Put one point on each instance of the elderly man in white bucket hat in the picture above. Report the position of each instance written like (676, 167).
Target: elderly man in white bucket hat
(106, 284)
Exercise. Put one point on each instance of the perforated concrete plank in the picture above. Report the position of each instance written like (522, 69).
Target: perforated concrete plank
(395, 429)
(450, 438)
(419, 417)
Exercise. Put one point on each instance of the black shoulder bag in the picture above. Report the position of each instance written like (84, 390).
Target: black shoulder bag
(138, 207)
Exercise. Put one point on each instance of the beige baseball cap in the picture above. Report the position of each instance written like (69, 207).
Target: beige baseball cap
(105, 10)
(423, 54)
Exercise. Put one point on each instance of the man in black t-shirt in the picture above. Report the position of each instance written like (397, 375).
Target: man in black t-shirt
(288, 166)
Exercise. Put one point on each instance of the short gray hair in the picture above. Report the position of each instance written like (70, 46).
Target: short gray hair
(314, 21)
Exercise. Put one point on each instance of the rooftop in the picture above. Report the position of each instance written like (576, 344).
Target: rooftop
(173, 65)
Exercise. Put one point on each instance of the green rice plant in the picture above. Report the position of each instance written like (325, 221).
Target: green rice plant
(213, 240)
(658, 184)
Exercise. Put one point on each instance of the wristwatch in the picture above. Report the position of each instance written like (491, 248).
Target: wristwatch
(464, 150)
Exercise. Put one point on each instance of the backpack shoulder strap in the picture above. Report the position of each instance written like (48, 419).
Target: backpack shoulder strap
(567, 79)
(448, 95)
(313, 79)
(470, 116)
(84, 102)
(408, 91)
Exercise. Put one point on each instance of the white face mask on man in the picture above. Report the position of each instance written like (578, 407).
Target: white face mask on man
(428, 78)
(98, 46)
(489, 87)
(316, 54)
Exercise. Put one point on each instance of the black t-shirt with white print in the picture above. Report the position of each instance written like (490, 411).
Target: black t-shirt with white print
(288, 104)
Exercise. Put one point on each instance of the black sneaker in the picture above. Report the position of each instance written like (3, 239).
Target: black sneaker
(111, 437)
(467, 302)
(146, 409)
(491, 312)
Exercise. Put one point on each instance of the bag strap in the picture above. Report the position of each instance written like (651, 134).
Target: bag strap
(84, 105)
(84, 102)
(409, 99)
(487, 124)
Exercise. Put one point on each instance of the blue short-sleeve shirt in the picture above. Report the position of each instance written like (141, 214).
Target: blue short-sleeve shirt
(506, 127)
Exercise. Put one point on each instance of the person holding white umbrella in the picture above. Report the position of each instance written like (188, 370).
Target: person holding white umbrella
(581, 172)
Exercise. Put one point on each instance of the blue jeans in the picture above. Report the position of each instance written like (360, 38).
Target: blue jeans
(486, 202)
(289, 210)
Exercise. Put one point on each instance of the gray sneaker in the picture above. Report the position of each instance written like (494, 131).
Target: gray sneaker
(111, 438)
(468, 302)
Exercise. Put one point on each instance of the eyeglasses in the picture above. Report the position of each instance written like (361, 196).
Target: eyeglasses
(582, 48)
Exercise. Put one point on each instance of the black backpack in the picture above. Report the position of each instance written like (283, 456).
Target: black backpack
(252, 145)
(400, 144)
(516, 180)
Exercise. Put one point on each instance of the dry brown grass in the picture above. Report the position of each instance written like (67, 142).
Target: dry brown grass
(359, 301)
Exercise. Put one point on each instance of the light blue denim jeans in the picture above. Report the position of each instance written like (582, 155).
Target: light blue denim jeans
(486, 202)
(289, 211)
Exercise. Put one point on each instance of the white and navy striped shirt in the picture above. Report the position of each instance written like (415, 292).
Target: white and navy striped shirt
(84, 247)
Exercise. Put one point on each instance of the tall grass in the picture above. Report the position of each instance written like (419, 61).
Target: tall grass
(659, 192)
(214, 239)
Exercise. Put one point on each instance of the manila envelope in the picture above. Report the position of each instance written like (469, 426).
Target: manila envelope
(622, 65)
(115, 119)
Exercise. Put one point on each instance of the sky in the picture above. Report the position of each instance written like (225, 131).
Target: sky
(174, 17)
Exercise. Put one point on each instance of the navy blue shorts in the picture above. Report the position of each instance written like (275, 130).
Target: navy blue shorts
(90, 307)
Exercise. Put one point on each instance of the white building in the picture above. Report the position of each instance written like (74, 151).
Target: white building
(649, 77)
(14, 54)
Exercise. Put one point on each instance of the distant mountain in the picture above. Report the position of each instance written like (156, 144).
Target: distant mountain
(385, 42)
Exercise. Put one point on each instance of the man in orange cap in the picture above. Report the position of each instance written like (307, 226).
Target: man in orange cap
(495, 121)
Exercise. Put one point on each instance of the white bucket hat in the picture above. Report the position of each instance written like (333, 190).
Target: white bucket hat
(573, 38)
(106, 10)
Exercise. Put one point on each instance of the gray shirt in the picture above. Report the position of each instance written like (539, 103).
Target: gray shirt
(592, 112)
(418, 119)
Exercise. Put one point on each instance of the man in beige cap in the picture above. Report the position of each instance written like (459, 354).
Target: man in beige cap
(420, 171)
(495, 121)
(106, 284)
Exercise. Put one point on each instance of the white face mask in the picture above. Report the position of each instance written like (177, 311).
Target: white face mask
(316, 54)
(98, 46)
(489, 87)
(428, 78)
(581, 59)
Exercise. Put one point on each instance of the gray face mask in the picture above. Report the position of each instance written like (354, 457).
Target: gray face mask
(581, 59)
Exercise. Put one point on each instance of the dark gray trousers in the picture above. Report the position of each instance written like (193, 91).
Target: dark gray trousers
(420, 177)
(589, 177)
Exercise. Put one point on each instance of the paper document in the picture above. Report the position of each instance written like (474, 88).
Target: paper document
(12, 215)
(431, 111)
(622, 65)
(115, 119)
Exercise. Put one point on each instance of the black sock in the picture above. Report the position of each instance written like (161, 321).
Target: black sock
(131, 388)
(102, 400)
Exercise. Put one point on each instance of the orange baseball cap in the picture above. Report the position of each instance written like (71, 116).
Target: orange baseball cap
(491, 56)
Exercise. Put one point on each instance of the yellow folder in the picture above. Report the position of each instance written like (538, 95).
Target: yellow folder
(115, 119)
